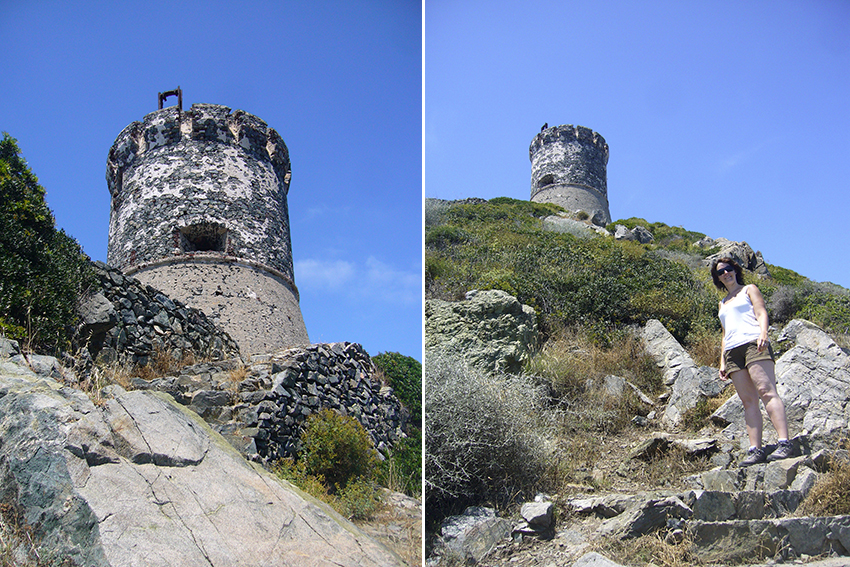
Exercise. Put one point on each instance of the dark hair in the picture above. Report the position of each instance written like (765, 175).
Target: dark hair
(739, 273)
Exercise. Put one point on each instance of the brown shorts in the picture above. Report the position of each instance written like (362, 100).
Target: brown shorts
(742, 356)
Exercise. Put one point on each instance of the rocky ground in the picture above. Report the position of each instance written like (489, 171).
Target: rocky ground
(658, 487)
(398, 525)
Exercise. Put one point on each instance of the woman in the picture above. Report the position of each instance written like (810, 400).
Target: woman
(748, 359)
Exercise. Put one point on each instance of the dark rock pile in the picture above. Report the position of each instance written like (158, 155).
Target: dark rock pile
(260, 406)
(143, 320)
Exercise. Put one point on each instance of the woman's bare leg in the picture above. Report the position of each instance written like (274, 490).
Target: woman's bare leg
(750, 397)
(763, 377)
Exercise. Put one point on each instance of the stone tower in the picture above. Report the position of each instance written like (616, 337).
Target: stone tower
(569, 168)
(199, 211)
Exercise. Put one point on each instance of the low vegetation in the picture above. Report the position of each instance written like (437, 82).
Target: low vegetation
(337, 463)
(402, 471)
(831, 494)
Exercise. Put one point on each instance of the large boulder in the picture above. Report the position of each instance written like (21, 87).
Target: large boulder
(813, 380)
(490, 329)
(137, 480)
(669, 355)
(741, 252)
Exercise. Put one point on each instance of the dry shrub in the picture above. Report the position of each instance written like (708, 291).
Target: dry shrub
(573, 356)
(487, 438)
(830, 495)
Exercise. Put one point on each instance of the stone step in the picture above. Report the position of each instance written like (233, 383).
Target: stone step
(717, 506)
(737, 540)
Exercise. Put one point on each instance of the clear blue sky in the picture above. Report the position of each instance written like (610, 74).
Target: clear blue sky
(339, 80)
(728, 118)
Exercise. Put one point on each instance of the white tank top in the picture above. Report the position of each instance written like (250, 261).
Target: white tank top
(739, 320)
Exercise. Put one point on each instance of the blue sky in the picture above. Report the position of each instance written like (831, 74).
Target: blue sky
(728, 118)
(340, 81)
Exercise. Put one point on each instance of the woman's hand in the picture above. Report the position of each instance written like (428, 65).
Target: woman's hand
(723, 375)
(763, 341)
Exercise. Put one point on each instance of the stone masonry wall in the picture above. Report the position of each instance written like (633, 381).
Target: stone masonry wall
(146, 320)
(569, 168)
(261, 406)
(258, 310)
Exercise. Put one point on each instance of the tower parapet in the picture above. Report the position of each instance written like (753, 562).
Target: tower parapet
(199, 210)
(569, 168)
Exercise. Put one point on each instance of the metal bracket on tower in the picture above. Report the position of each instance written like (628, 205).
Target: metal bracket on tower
(178, 92)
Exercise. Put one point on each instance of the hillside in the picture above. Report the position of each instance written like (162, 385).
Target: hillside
(638, 309)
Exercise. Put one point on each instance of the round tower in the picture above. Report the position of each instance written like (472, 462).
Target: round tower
(199, 211)
(569, 168)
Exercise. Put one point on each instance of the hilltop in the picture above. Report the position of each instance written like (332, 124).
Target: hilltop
(616, 411)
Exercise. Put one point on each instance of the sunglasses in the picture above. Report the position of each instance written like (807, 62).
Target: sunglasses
(724, 270)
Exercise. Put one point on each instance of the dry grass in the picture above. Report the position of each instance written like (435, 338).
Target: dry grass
(830, 495)
(705, 349)
(237, 375)
(17, 547)
(573, 356)
(650, 549)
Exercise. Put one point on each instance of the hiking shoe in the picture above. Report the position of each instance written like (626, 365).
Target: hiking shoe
(784, 450)
(755, 455)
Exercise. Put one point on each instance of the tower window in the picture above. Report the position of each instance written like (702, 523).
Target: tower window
(203, 237)
(548, 179)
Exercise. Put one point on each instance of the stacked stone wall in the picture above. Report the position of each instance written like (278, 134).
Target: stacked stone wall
(147, 322)
(261, 406)
(569, 168)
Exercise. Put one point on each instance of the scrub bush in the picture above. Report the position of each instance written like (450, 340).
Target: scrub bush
(487, 438)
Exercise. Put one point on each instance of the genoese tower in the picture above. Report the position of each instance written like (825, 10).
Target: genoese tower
(569, 168)
(199, 211)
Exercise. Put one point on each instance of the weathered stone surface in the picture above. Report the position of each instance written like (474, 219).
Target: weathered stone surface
(668, 354)
(692, 385)
(813, 380)
(8, 348)
(645, 517)
(741, 253)
(199, 210)
(473, 534)
(148, 322)
(140, 481)
(490, 329)
(594, 559)
(733, 541)
(568, 168)
(97, 314)
(261, 406)
(537, 513)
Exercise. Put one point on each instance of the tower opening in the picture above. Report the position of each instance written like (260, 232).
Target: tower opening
(203, 237)
(546, 180)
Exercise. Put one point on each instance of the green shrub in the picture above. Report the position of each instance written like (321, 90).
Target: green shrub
(337, 449)
(405, 376)
(360, 499)
(43, 271)
(566, 280)
(402, 470)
